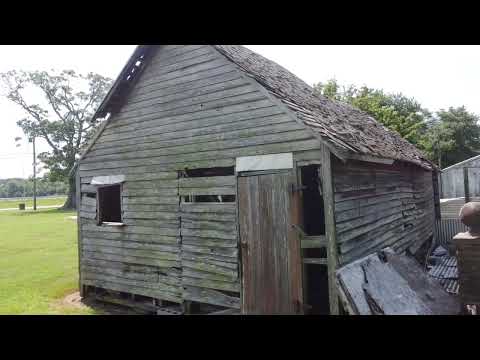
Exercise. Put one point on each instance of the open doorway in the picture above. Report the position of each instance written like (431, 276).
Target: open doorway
(315, 276)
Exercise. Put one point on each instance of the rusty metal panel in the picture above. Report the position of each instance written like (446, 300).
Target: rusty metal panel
(270, 247)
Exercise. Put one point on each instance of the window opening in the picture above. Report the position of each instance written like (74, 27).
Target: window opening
(208, 172)
(109, 204)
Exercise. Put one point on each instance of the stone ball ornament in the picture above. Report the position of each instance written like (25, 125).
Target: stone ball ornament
(470, 216)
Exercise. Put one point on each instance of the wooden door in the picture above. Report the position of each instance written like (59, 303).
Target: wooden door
(271, 261)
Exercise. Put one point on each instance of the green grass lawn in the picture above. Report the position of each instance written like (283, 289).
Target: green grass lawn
(5, 204)
(38, 262)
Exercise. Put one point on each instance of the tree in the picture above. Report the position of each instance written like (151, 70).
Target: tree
(330, 89)
(396, 111)
(452, 136)
(63, 120)
(23, 187)
(448, 137)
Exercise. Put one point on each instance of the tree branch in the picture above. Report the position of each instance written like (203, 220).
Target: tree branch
(55, 108)
(19, 100)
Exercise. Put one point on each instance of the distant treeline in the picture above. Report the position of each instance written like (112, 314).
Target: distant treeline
(11, 188)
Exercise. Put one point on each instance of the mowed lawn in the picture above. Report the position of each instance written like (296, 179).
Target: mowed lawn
(38, 262)
(7, 203)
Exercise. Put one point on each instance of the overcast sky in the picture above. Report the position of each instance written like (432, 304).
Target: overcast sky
(437, 76)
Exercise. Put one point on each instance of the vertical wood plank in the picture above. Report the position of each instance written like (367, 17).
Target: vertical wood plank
(246, 212)
(466, 185)
(436, 193)
(295, 249)
(99, 207)
(300, 221)
(239, 255)
(79, 235)
(330, 230)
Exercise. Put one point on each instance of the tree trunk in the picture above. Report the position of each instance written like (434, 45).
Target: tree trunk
(70, 204)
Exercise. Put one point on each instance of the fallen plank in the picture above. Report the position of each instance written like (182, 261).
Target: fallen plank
(392, 284)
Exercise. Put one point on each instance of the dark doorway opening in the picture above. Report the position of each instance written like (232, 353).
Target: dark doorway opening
(315, 276)
(313, 214)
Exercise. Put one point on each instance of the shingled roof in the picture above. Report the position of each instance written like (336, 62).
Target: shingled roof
(348, 129)
(342, 125)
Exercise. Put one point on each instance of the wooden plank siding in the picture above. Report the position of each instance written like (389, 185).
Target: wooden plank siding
(209, 267)
(190, 108)
(381, 205)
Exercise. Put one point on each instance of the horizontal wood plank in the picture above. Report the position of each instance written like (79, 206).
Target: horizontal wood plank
(211, 284)
(130, 259)
(210, 297)
(315, 261)
(310, 242)
(164, 295)
(208, 208)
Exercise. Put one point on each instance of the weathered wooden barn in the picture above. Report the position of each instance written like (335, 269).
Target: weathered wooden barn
(220, 181)
(453, 179)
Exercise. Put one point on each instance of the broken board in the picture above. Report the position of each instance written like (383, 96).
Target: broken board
(390, 284)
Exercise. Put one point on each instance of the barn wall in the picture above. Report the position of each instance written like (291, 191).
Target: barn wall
(191, 108)
(380, 205)
(452, 180)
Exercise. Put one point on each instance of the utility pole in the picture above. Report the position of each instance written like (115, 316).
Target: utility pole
(34, 176)
(18, 144)
(32, 140)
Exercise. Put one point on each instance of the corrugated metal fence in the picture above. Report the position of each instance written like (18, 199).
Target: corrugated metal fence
(446, 229)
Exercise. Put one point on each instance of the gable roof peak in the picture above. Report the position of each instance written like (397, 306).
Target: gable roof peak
(341, 125)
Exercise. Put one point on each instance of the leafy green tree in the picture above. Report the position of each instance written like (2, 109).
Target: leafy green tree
(13, 190)
(452, 136)
(63, 119)
(330, 89)
(23, 187)
(447, 137)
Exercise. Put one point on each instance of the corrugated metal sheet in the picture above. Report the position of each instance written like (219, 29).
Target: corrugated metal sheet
(446, 229)
(450, 208)
(446, 273)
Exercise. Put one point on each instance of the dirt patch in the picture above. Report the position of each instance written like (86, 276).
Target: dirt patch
(100, 308)
(74, 300)
(70, 304)
(71, 217)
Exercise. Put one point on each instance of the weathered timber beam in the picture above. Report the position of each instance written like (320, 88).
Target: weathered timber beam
(310, 242)
(315, 261)
(326, 178)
